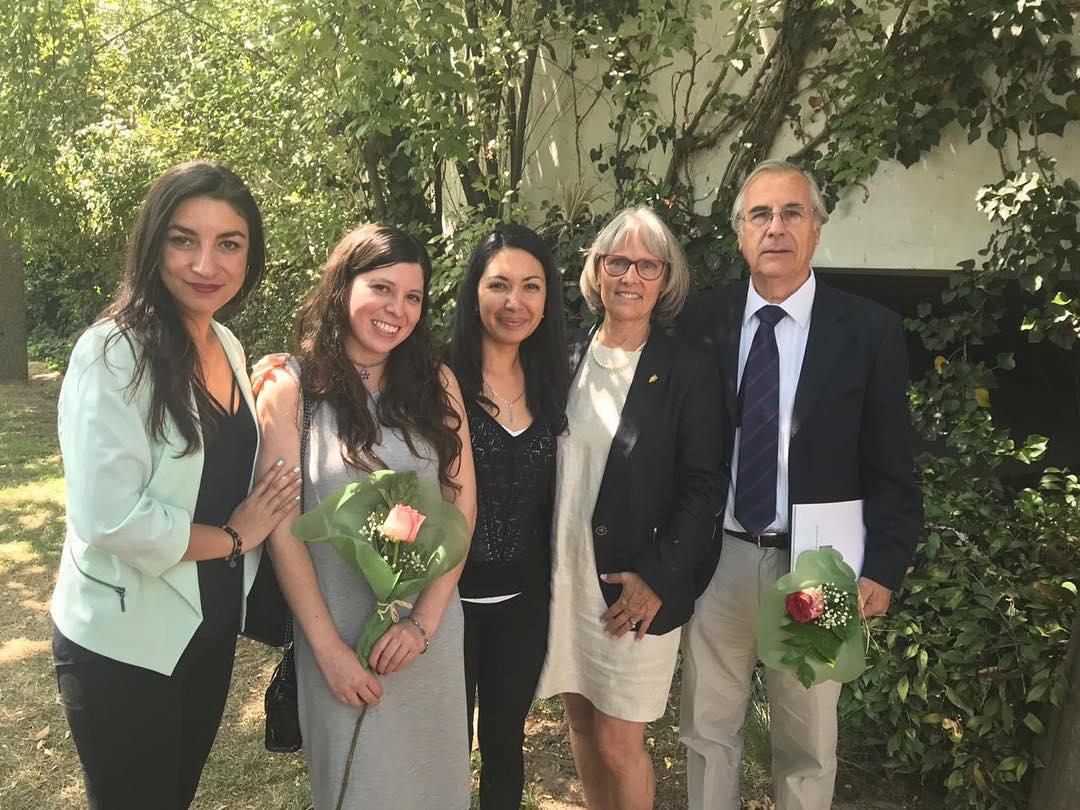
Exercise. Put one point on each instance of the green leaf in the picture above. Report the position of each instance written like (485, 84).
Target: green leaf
(902, 688)
(1009, 764)
(1034, 723)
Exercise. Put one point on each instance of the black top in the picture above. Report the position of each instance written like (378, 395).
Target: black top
(226, 477)
(515, 485)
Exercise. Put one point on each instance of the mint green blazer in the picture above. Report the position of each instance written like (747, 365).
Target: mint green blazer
(123, 590)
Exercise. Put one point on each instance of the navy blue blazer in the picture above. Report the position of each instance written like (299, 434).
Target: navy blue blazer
(664, 481)
(850, 430)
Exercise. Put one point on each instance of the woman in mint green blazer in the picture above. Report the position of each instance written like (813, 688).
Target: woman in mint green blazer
(163, 525)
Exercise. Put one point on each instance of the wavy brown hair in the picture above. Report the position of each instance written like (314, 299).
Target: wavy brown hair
(414, 399)
(146, 314)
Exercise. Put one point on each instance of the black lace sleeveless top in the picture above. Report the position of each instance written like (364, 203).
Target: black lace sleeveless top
(515, 486)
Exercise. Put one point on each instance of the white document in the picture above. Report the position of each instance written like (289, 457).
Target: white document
(840, 525)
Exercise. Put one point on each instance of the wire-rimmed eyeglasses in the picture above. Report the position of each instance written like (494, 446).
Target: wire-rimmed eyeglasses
(790, 215)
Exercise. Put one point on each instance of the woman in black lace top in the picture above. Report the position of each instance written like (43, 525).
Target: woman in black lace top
(509, 355)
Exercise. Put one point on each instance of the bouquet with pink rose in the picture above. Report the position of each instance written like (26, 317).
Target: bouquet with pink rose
(809, 622)
(397, 532)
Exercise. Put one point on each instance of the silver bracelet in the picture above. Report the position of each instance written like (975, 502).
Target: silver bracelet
(423, 633)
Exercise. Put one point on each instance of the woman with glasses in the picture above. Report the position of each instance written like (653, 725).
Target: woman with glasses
(638, 486)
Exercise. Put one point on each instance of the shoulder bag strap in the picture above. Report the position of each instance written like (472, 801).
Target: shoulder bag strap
(305, 430)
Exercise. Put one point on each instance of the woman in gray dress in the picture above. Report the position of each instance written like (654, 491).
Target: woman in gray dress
(381, 400)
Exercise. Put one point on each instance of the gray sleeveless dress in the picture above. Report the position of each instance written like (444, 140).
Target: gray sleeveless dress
(412, 753)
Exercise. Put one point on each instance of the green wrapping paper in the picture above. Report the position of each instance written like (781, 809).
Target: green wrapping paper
(342, 521)
(812, 653)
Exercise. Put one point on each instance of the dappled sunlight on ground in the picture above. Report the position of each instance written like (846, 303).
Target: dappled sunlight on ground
(35, 521)
(47, 492)
(17, 551)
(35, 605)
(19, 648)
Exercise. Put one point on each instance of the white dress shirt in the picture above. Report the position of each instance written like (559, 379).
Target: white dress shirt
(791, 333)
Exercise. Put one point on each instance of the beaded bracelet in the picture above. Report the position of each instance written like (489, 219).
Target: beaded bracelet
(423, 633)
(237, 545)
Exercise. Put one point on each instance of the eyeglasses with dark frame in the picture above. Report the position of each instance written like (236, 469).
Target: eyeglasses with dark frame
(648, 269)
(790, 215)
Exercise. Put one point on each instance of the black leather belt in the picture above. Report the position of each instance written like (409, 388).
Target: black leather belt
(777, 540)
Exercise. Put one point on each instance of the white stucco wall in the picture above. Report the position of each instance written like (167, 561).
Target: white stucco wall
(923, 217)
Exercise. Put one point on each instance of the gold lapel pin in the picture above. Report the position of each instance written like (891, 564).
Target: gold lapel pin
(653, 378)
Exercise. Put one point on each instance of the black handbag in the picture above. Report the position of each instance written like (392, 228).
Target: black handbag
(281, 704)
(281, 700)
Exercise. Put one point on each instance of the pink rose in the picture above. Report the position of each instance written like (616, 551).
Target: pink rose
(805, 606)
(402, 524)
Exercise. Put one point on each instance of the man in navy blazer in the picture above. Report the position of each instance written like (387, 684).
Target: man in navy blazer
(814, 383)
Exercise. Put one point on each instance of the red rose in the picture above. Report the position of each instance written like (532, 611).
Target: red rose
(805, 606)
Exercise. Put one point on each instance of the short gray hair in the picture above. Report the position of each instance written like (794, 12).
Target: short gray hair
(817, 201)
(643, 223)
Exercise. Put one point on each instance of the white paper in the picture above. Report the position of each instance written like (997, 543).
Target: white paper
(840, 525)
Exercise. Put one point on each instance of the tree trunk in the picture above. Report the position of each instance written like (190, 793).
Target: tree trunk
(1058, 784)
(12, 311)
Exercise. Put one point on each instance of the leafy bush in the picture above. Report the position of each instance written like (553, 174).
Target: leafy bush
(971, 662)
(965, 671)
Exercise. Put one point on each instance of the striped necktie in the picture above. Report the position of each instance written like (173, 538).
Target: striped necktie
(759, 394)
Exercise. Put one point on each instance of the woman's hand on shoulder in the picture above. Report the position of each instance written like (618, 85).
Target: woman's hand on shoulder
(267, 369)
(349, 682)
(635, 608)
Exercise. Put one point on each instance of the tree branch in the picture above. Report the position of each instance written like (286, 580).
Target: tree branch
(830, 125)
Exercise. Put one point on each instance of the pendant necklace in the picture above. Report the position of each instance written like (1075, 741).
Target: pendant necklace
(508, 403)
(365, 370)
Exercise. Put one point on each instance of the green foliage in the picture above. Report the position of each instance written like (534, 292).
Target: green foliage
(967, 668)
(970, 664)
(1033, 247)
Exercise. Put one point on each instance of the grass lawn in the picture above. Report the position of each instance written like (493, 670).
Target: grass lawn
(39, 767)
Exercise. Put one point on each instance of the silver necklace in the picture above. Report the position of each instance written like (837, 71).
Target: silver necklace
(508, 403)
(365, 370)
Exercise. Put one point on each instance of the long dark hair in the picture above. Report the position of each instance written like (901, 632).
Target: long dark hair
(543, 353)
(413, 399)
(146, 314)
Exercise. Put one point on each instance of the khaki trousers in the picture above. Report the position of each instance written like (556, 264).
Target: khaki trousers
(719, 653)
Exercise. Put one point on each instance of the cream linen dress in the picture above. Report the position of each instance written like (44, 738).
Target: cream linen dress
(621, 677)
